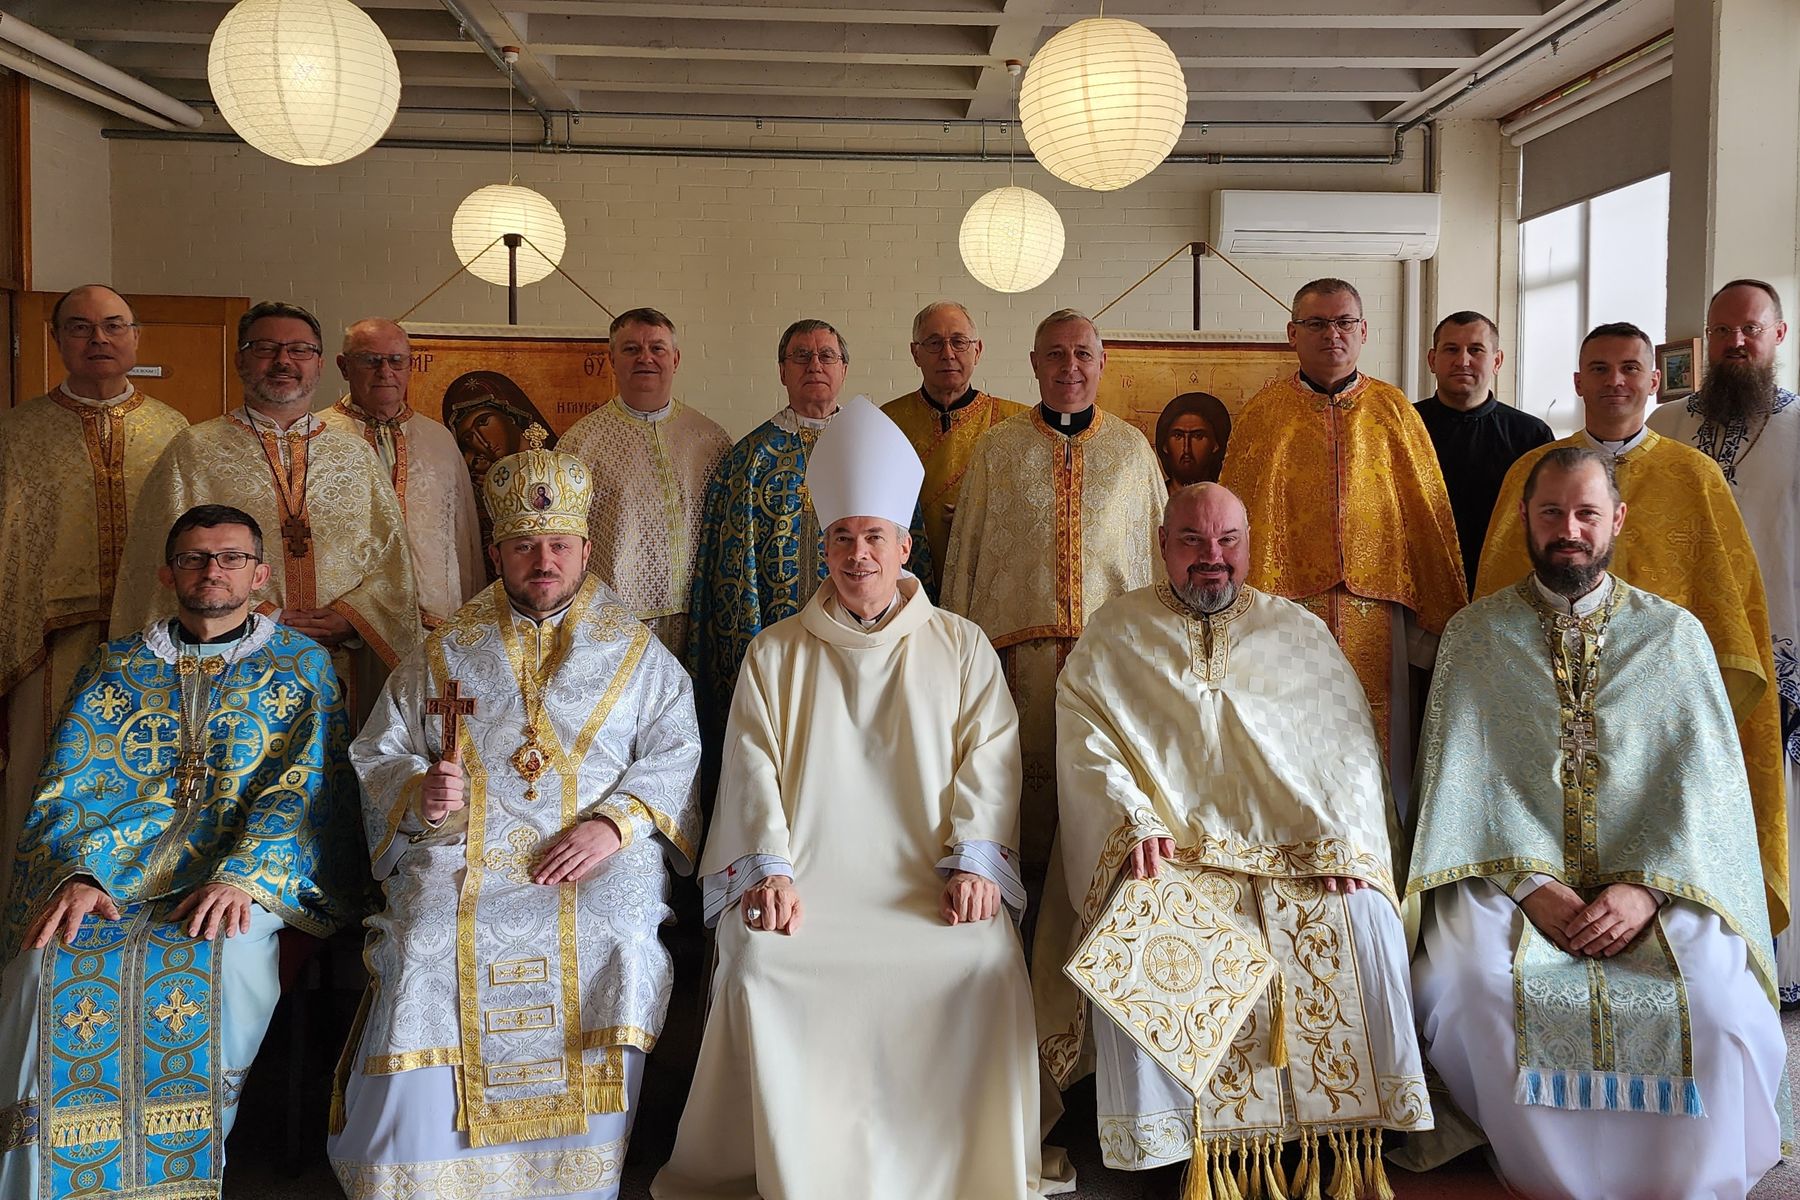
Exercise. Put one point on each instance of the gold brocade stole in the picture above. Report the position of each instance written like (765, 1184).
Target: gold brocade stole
(396, 431)
(299, 576)
(503, 1097)
(1577, 672)
(103, 432)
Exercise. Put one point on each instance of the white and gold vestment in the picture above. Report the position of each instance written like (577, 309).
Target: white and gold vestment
(650, 471)
(431, 481)
(1245, 736)
(508, 1020)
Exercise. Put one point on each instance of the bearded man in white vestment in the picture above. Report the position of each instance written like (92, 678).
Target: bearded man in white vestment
(1594, 980)
(1206, 724)
(1748, 424)
(870, 1032)
(423, 462)
(524, 848)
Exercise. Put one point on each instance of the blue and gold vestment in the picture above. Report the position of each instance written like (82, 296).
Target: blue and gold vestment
(761, 556)
(125, 1090)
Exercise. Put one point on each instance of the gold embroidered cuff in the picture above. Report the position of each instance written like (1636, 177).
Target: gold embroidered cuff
(624, 816)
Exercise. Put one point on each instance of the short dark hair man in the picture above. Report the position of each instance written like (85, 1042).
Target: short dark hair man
(1476, 437)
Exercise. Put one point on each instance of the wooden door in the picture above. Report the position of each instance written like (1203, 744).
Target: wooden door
(184, 354)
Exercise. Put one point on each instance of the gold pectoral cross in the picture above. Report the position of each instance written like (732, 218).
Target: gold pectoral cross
(190, 778)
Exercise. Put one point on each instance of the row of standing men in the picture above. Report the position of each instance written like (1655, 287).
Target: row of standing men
(1040, 518)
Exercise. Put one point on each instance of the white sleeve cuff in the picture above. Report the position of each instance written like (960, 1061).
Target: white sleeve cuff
(722, 889)
(1528, 885)
(992, 861)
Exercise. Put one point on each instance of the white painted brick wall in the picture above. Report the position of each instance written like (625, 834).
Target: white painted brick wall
(732, 249)
(71, 192)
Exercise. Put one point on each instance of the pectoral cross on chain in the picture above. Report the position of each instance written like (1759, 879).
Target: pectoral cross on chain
(1578, 739)
(190, 778)
(452, 706)
(297, 534)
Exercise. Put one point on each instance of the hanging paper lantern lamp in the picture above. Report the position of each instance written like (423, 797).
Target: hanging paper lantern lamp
(1103, 103)
(490, 212)
(1011, 240)
(311, 82)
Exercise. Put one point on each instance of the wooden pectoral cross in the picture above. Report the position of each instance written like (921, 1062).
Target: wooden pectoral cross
(297, 534)
(453, 706)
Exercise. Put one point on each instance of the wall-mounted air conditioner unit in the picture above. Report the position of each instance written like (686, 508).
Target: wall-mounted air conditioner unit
(1378, 225)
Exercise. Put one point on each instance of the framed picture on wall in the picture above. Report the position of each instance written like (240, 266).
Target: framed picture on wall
(1681, 364)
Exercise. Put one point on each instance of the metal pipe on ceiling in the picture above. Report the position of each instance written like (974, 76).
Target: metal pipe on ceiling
(466, 20)
(92, 71)
(782, 153)
(54, 76)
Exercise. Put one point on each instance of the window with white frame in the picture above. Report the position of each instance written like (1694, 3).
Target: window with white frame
(1602, 260)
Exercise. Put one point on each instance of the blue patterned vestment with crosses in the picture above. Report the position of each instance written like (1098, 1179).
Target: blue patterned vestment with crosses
(127, 1100)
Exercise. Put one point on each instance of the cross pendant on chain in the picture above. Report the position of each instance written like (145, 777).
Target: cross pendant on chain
(1578, 738)
(190, 778)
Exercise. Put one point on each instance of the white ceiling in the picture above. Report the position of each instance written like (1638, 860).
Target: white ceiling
(1362, 62)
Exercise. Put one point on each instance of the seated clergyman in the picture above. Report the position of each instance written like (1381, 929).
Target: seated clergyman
(1594, 980)
(196, 797)
(870, 1033)
(528, 785)
(1206, 724)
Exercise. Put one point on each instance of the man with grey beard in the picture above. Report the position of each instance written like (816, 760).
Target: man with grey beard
(1214, 731)
(1751, 427)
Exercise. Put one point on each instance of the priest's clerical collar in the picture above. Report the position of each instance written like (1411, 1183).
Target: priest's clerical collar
(838, 609)
(108, 402)
(651, 417)
(1581, 606)
(184, 637)
(962, 401)
(548, 621)
(1066, 423)
(1618, 446)
(1343, 385)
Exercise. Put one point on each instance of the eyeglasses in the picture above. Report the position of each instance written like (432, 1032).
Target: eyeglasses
(83, 330)
(196, 560)
(1751, 331)
(368, 360)
(806, 358)
(298, 351)
(1321, 324)
(935, 345)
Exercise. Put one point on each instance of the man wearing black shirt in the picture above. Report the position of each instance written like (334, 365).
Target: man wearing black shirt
(1476, 437)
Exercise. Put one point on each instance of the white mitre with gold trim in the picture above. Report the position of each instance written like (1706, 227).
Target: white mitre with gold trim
(863, 466)
(535, 493)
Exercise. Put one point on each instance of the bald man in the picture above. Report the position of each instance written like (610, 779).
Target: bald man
(71, 465)
(946, 413)
(443, 526)
(1262, 788)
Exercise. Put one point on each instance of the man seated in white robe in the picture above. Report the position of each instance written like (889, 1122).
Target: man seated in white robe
(870, 1032)
(1594, 979)
(1217, 727)
(524, 850)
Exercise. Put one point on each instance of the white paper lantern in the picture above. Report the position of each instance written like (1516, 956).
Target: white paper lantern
(311, 82)
(1103, 103)
(498, 209)
(1011, 240)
